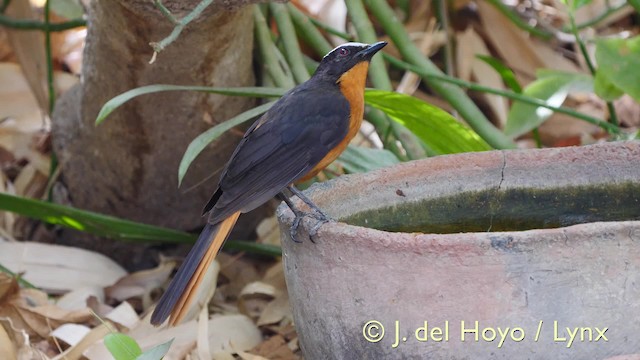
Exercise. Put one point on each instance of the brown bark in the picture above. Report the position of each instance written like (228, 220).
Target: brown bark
(128, 165)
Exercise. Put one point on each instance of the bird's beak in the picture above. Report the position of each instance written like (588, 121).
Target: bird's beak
(372, 49)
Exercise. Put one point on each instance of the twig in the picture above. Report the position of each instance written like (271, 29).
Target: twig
(39, 25)
(163, 9)
(180, 25)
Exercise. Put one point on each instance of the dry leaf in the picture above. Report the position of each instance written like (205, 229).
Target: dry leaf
(30, 182)
(8, 287)
(77, 351)
(202, 342)
(560, 127)
(628, 111)
(269, 231)
(77, 299)
(30, 311)
(140, 283)
(274, 348)
(276, 310)
(521, 52)
(125, 315)
(7, 348)
(238, 330)
(469, 45)
(258, 288)
(70, 333)
(239, 272)
(59, 268)
(27, 46)
(148, 336)
(596, 8)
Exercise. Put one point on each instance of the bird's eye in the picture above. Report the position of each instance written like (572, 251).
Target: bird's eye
(343, 52)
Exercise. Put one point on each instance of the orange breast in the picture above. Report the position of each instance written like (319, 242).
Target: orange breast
(352, 87)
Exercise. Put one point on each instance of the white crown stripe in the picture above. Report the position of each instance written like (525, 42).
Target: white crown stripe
(346, 45)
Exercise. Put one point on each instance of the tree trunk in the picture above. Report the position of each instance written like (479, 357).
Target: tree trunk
(128, 166)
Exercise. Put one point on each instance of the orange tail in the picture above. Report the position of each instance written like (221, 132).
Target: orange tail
(176, 300)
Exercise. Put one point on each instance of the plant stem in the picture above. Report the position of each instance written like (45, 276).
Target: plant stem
(290, 42)
(599, 18)
(508, 94)
(583, 49)
(309, 33)
(38, 25)
(364, 28)
(322, 46)
(331, 30)
(266, 46)
(50, 86)
(18, 278)
(49, 57)
(380, 79)
(454, 95)
(443, 18)
(166, 12)
(159, 46)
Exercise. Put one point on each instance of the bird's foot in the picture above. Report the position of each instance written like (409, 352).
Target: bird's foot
(320, 218)
(316, 214)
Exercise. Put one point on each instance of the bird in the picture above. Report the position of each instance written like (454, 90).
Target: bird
(302, 133)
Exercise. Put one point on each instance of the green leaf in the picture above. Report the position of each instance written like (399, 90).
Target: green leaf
(156, 352)
(112, 227)
(552, 87)
(504, 71)
(117, 101)
(94, 223)
(605, 89)
(358, 159)
(576, 4)
(440, 131)
(201, 141)
(618, 62)
(122, 347)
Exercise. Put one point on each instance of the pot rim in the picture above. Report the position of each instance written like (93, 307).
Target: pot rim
(600, 164)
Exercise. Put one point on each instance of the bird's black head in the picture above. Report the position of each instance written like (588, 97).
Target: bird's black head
(344, 58)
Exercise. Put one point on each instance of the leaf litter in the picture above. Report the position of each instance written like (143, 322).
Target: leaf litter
(81, 296)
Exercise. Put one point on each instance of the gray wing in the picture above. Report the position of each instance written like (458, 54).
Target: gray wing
(281, 147)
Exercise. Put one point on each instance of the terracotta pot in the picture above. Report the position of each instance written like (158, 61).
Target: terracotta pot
(522, 246)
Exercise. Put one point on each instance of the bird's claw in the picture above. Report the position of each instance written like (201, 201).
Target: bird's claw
(321, 219)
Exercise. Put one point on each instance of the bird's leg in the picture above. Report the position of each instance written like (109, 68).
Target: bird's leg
(317, 214)
(322, 216)
(293, 231)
